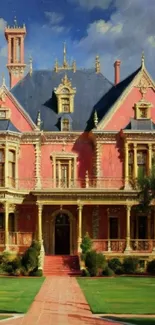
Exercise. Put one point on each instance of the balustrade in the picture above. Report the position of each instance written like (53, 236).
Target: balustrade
(17, 238)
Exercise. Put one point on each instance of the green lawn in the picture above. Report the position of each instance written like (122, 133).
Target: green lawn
(17, 294)
(122, 295)
(4, 317)
(135, 321)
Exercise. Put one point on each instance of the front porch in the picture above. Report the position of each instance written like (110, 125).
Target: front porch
(114, 229)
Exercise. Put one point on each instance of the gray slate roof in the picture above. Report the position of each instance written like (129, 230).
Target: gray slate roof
(36, 93)
(142, 124)
(7, 125)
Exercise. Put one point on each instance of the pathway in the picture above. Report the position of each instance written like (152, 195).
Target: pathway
(60, 301)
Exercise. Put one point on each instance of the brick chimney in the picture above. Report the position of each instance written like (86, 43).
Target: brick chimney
(117, 71)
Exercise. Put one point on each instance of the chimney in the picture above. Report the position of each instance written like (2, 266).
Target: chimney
(117, 71)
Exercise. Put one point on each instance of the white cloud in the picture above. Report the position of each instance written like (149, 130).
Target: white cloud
(54, 17)
(2, 25)
(129, 30)
(91, 4)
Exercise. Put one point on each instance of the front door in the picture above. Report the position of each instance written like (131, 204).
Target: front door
(62, 234)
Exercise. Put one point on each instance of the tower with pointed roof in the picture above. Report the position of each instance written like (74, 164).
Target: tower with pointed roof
(15, 38)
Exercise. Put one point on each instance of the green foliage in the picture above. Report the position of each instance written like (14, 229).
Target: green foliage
(115, 264)
(151, 267)
(36, 273)
(10, 263)
(130, 264)
(95, 262)
(86, 246)
(108, 271)
(146, 187)
(30, 258)
(85, 272)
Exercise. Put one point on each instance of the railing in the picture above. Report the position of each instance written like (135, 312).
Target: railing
(142, 244)
(119, 245)
(17, 238)
(109, 183)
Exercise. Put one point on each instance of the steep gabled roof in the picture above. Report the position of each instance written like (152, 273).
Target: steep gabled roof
(7, 125)
(36, 92)
(110, 98)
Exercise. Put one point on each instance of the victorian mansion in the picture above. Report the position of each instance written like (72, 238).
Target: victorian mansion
(71, 142)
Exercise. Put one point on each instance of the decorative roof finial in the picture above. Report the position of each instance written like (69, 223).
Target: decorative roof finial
(74, 66)
(143, 60)
(64, 53)
(30, 65)
(97, 64)
(3, 80)
(95, 118)
(39, 120)
(15, 22)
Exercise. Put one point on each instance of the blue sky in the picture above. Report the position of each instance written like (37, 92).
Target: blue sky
(113, 29)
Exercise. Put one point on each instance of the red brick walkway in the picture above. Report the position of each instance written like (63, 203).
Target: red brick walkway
(60, 301)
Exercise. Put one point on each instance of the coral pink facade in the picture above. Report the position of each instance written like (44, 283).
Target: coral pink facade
(59, 185)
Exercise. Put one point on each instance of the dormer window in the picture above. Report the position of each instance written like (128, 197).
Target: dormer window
(142, 110)
(65, 125)
(65, 105)
(65, 96)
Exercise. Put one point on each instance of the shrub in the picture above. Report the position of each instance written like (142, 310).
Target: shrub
(100, 263)
(114, 264)
(108, 271)
(36, 273)
(130, 265)
(91, 262)
(86, 246)
(85, 272)
(119, 270)
(151, 267)
(30, 258)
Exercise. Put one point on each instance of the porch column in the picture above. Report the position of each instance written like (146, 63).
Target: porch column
(6, 209)
(135, 160)
(40, 208)
(149, 157)
(80, 207)
(154, 231)
(126, 165)
(128, 211)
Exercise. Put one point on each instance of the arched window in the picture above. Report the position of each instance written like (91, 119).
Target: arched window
(65, 124)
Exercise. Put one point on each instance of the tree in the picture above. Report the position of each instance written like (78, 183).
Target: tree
(146, 187)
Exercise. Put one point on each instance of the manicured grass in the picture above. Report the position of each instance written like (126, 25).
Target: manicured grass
(135, 321)
(4, 317)
(17, 294)
(122, 295)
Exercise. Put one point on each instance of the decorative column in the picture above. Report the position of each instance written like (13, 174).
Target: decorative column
(6, 212)
(135, 159)
(6, 166)
(70, 180)
(97, 171)
(128, 248)
(80, 207)
(37, 165)
(126, 166)
(149, 157)
(154, 232)
(59, 175)
(40, 208)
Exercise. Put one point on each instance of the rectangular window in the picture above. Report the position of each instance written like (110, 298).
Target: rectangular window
(1, 221)
(142, 163)
(2, 168)
(65, 105)
(113, 224)
(11, 222)
(11, 168)
(65, 125)
(64, 173)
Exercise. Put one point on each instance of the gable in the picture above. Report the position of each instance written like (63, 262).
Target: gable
(121, 112)
(19, 118)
